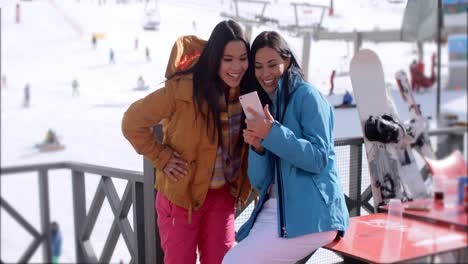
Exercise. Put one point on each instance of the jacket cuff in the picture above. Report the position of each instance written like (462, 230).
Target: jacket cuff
(272, 135)
(261, 153)
(162, 158)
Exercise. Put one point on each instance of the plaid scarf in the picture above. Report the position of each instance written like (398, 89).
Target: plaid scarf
(228, 156)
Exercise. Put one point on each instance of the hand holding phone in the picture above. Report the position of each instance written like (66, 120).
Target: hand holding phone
(253, 101)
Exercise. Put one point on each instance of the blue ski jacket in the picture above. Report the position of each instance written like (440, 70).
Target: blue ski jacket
(308, 191)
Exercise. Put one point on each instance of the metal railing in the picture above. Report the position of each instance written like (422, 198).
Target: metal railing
(143, 241)
(84, 222)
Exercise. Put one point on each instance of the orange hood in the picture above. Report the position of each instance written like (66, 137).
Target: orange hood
(185, 53)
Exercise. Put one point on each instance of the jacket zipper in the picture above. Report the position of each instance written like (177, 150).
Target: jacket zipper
(282, 217)
(280, 200)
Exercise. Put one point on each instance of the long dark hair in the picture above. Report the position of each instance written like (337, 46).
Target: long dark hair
(207, 85)
(273, 40)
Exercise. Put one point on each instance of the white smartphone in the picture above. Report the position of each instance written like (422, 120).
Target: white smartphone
(253, 101)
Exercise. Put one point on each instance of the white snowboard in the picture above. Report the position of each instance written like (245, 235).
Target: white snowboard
(417, 126)
(393, 170)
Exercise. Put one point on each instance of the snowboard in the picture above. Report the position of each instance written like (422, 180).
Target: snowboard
(49, 147)
(339, 106)
(141, 88)
(392, 168)
(417, 126)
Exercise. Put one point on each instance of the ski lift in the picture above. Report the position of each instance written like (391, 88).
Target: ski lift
(151, 20)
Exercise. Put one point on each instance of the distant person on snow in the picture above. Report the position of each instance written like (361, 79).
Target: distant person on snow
(135, 43)
(147, 54)
(140, 83)
(111, 56)
(51, 137)
(27, 95)
(347, 98)
(332, 82)
(56, 242)
(94, 41)
(4, 81)
(75, 86)
(418, 79)
(194, 26)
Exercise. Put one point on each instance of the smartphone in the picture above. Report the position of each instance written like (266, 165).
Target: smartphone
(253, 101)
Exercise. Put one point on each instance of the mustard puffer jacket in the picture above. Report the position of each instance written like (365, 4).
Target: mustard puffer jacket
(184, 132)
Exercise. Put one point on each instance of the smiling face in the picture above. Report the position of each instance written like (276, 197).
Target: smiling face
(269, 67)
(234, 63)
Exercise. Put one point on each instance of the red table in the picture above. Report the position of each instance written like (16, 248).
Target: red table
(374, 238)
(437, 213)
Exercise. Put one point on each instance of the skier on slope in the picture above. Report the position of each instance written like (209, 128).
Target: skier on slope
(332, 82)
(75, 85)
(147, 54)
(347, 98)
(347, 101)
(141, 84)
(94, 41)
(27, 95)
(111, 56)
(51, 137)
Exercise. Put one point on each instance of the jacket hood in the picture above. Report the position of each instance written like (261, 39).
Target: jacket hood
(184, 54)
(294, 77)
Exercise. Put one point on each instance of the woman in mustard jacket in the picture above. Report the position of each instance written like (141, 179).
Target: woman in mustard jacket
(202, 162)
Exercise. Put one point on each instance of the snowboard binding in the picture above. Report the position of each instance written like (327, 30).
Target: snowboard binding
(382, 128)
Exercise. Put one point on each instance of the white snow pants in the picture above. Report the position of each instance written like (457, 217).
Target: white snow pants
(263, 245)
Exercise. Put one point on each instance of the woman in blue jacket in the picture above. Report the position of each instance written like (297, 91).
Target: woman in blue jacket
(301, 204)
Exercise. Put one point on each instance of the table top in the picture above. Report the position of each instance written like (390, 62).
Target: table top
(381, 238)
(436, 212)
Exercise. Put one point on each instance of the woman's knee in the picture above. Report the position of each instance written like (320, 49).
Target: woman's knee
(236, 255)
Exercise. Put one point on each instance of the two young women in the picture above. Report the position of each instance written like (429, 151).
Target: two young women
(202, 162)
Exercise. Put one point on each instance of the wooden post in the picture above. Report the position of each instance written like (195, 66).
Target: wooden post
(79, 212)
(439, 37)
(355, 178)
(236, 8)
(248, 32)
(307, 39)
(45, 214)
(331, 11)
(17, 14)
(295, 15)
(420, 46)
(357, 42)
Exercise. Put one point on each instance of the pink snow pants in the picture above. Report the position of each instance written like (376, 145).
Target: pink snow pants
(212, 229)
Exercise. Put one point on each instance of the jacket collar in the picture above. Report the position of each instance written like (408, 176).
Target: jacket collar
(184, 89)
(294, 79)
